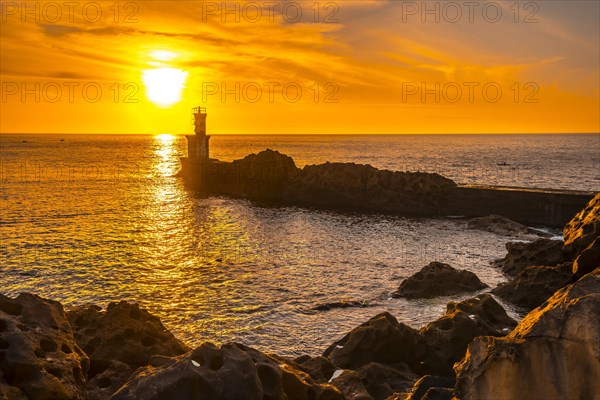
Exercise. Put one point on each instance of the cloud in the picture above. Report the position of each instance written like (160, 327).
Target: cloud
(370, 52)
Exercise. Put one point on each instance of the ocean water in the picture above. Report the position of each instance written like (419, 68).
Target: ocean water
(100, 218)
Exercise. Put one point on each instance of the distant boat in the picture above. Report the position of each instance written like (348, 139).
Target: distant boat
(25, 141)
(62, 140)
(503, 164)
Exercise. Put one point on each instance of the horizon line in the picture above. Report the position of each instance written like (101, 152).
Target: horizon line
(302, 134)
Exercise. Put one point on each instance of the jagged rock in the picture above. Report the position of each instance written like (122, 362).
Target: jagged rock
(384, 340)
(554, 352)
(381, 381)
(582, 229)
(374, 381)
(478, 316)
(437, 393)
(588, 259)
(229, 372)
(502, 226)
(438, 279)
(118, 341)
(521, 255)
(534, 285)
(351, 386)
(8, 392)
(103, 384)
(39, 358)
(427, 382)
(319, 368)
(582, 238)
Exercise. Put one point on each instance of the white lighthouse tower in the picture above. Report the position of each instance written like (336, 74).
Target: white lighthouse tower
(198, 143)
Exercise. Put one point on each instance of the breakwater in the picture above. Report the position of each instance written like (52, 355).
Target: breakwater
(272, 177)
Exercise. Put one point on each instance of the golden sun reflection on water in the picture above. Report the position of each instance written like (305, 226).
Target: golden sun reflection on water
(166, 151)
(193, 253)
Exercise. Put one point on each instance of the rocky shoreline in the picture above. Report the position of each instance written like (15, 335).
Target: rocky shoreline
(474, 351)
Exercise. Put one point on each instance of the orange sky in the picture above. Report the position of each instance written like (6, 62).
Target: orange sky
(356, 67)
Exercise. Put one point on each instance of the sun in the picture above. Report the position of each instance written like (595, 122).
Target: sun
(164, 84)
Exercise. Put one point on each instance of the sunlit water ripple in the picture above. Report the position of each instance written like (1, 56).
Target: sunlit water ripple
(101, 218)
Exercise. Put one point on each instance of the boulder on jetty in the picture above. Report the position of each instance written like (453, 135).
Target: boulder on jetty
(263, 176)
(39, 358)
(524, 254)
(357, 186)
(534, 285)
(273, 177)
(438, 279)
(478, 316)
(118, 341)
(553, 353)
(582, 243)
(229, 372)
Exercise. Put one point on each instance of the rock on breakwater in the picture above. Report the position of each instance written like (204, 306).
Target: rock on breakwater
(270, 176)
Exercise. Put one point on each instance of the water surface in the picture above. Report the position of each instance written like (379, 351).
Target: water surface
(101, 218)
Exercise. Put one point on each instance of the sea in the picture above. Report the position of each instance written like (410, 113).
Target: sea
(102, 218)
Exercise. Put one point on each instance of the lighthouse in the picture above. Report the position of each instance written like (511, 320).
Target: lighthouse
(198, 143)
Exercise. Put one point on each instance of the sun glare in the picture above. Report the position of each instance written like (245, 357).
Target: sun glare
(163, 55)
(165, 137)
(164, 85)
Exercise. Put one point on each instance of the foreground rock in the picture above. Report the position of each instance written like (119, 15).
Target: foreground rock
(351, 385)
(554, 352)
(39, 358)
(319, 368)
(588, 259)
(521, 255)
(384, 340)
(582, 238)
(503, 226)
(432, 387)
(118, 341)
(479, 316)
(438, 279)
(583, 228)
(229, 372)
(534, 285)
(374, 381)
